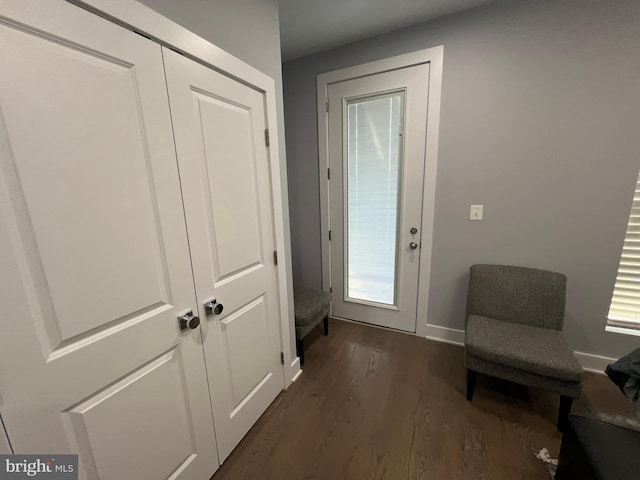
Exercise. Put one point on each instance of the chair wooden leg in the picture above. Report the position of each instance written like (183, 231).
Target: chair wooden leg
(471, 383)
(326, 325)
(563, 411)
(300, 350)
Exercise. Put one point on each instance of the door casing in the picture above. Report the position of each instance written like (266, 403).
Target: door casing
(434, 57)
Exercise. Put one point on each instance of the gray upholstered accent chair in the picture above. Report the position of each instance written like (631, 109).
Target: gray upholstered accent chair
(311, 307)
(513, 331)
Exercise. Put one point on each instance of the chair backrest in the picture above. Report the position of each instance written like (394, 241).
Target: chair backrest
(517, 294)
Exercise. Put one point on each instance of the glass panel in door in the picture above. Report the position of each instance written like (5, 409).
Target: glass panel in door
(374, 151)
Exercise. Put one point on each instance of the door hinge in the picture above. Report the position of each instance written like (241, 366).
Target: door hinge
(266, 137)
(282, 358)
(326, 104)
(330, 289)
(328, 174)
(275, 257)
(329, 235)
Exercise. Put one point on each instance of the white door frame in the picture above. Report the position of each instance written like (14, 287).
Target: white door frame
(434, 57)
(141, 19)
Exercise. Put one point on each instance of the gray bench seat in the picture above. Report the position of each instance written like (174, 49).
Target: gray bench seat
(311, 307)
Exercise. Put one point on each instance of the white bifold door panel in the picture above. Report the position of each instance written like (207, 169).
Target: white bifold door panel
(219, 128)
(94, 255)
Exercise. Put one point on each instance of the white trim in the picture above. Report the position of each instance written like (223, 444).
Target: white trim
(429, 188)
(444, 335)
(434, 56)
(428, 55)
(144, 20)
(594, 363)
(323, 165)
(589, 362)
(295, 367)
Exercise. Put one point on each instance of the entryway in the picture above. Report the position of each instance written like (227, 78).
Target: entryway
(378, 205)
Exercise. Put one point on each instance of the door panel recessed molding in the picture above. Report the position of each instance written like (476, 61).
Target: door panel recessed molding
(148, 406)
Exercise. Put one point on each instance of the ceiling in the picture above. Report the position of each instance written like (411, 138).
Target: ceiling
(310, 26)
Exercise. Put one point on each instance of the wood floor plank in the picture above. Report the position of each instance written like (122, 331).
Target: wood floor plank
(376, 404)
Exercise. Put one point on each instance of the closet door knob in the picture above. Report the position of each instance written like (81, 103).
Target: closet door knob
(210, 306)
(413, 245)
(188, 320)
(218, 309)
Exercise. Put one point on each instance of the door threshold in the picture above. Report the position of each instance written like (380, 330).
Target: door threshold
(388, 329)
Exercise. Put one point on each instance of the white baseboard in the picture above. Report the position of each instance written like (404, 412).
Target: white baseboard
(295, 371)
(590, 362)
(594, 363)
(444, 334)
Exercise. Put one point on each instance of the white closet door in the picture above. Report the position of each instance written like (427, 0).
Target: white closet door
(94, 256)
(224, 168)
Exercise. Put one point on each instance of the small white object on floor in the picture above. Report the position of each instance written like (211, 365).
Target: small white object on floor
(545, 457)
(551, 463)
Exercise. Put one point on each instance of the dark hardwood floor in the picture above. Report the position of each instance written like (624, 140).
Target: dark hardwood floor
(375, 404)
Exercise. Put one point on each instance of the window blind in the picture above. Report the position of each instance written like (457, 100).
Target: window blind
(624, 310)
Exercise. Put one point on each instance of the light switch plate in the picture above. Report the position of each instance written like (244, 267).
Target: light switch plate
(475, 212)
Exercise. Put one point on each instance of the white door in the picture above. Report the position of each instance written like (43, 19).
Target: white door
(219, 127)
(94, 257)
(377, 128)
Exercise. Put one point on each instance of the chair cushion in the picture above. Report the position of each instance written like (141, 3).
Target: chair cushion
(538, 350)
(310, 306)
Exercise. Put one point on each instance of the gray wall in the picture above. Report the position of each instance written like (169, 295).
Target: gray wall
(247, 29)
(250, 31)
(540, 123)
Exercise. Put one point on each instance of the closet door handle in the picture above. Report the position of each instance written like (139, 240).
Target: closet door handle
(210, 306)
(413, 245)
(188, 320)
